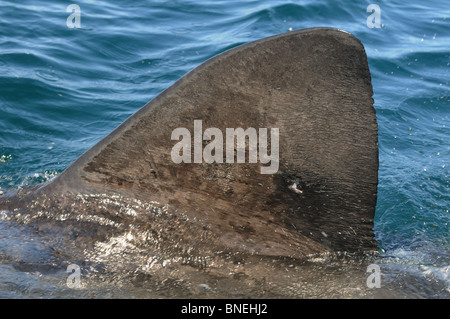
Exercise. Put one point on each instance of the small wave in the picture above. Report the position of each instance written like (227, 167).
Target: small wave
(5, 215)
(440, 273)
(5, 158)
(47, 75)
(37, 178)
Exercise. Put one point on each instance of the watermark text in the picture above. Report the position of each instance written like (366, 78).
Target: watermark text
(213, 152)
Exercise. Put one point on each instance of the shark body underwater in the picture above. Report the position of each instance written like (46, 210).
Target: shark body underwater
(125, 210)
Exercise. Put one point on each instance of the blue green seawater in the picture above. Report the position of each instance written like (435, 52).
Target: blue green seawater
(62, 89)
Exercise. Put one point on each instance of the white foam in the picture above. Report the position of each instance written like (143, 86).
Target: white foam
(5, 215)
(441, 273)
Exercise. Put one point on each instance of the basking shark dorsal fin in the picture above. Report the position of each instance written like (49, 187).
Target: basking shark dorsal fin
(314, 86)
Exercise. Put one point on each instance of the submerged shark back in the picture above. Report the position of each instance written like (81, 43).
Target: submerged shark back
(270, 146)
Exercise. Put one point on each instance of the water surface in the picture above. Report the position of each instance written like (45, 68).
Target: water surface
(63, 89)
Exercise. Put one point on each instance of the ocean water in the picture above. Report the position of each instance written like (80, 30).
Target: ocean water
(63, 89)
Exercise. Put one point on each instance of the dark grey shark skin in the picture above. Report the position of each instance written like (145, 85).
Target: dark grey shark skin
(312, 84)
